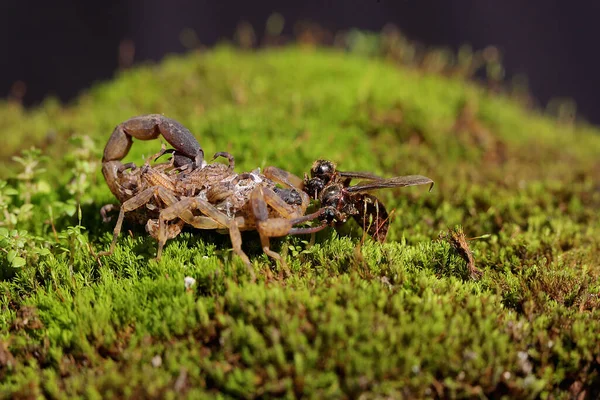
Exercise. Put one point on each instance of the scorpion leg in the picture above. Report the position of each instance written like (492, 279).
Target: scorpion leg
(260, 199)
(154, 157)
(132, 204)
(172, 231)
(136, 202)
(283, 177)
(284, 209)
(212, 219)
(267, 227)
(290, 181)
(164, 232)
(124, 167)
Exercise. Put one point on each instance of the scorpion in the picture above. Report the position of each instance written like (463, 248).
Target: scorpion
(188, 190)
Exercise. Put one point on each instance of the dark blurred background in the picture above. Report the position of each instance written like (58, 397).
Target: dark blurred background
(61, 47)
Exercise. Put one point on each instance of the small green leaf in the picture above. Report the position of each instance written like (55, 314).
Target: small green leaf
(70, 209)
(42, 251)
(43, 187)
(11, 256)
(18, 262)
(11, 191)
(25, 208)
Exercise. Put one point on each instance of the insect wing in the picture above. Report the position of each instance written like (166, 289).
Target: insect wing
(399, 181)
(359, 175)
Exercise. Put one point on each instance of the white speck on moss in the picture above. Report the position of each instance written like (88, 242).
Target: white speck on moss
(188, 281)
(156, 361)
(524, 363)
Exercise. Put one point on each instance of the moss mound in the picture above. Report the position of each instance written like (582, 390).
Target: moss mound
(512, 311)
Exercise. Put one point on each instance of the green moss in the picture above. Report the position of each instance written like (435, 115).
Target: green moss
(400, 319)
